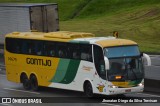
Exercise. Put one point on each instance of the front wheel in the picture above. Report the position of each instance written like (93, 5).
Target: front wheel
(88, 89)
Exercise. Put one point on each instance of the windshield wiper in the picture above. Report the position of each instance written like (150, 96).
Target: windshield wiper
(134, 73)
(130, 67)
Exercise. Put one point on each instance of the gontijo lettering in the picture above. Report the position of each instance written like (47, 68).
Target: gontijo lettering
(35, 61)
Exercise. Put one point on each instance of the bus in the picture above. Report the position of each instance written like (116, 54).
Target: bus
(75, 61)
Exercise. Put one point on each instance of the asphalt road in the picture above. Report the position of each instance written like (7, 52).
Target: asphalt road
(10, 89)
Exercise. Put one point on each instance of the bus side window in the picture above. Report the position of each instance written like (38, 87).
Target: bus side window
(50, 49)
(18, 46)
(39, 48)
(13, 45)
(73, 51)
(9, 46)
(31, 47)
(24, 47)
(76, 52)
(99, 61)
(62, 50)
(86, 52)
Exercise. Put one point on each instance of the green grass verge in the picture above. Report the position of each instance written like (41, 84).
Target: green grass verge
(140, 23)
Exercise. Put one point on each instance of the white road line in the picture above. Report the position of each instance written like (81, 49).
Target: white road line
(2, 64)
(21, 90)
(5, 104)
(148, 94)
(156, 66)
(110, 104)
(3, 92)
(153, 66)
(2, 75)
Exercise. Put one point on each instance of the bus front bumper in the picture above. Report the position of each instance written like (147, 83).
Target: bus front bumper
(114, 91)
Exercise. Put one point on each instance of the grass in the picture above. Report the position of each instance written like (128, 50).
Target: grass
(141, 24)
(138, 20)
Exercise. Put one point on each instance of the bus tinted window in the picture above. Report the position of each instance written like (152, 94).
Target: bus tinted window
(99, 61)
(30, 47)
(39, 48)
(50, 48)
(122, 51)
(62, 50)
(74, 51)
(86, 52)
(13, 45)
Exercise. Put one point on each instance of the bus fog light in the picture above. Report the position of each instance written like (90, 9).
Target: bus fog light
(114, 87)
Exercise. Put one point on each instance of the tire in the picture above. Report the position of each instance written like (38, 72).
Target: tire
(88, 90)
(34, 83)
(26, 82)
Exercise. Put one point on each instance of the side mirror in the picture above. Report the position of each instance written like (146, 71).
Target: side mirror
(147, 58)
(106, 63)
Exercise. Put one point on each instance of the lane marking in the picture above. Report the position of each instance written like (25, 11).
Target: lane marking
(156, 66)
(155, 57)
(110, 104)
(148, 94)
(2, 75)
(153, 66)
(3, 91)
(21, 91)
(5, 104)
(2, 65)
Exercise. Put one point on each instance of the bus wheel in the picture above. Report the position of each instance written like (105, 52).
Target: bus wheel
(34, 83)
(88, 89)
(26, 82)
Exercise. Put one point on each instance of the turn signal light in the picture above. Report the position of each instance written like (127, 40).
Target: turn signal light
(118, 77)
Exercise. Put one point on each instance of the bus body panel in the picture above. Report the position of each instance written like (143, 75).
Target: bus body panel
(66, 73)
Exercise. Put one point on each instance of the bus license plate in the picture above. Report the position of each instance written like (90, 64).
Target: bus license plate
(128, 90)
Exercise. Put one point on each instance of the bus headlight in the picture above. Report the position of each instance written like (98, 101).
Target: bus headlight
(112, 86)
(141, 84)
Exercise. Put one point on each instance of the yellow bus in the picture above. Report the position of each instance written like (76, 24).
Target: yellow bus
(75, 61)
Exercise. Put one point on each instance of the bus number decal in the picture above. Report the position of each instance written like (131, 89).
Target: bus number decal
(35, 61)
(12, 59)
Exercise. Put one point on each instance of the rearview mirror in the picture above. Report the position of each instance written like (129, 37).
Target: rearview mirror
(148, 59)
(141, 54)
(106, 63)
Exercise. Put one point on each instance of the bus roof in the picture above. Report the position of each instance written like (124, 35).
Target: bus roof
(64, 36)
(67, 36)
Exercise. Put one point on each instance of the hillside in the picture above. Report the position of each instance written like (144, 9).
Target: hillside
(138, 20)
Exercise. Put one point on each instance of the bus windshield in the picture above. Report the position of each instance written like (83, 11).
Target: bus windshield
(125, 63)
(122, 51)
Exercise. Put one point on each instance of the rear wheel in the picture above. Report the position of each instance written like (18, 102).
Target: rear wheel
(25, 81)
(88, 89)
(34, 83)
